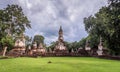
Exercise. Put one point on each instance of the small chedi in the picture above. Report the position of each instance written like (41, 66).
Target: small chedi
(19, 47)
(33, 50)
(41, 49)
(100, 47)
(101, 50)
(36, 50)
(60, 45)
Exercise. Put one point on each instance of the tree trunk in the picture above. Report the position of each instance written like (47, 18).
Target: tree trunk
(4, 51)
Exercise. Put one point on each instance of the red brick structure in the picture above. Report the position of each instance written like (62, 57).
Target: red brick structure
(19, 47)
(60, 45)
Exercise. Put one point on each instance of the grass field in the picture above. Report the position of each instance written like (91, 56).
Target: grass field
(59, 64)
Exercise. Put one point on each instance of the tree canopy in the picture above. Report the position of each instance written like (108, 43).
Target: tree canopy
(39, 39)
(106, 23)
(13, 22)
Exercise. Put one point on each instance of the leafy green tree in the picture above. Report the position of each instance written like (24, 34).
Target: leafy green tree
(82, 42)
(28, 40)
(3, 26)
(16, 20)
(13, 22)
(68, 45)
(39, 39)
(52, 46)
(7, 41)
(106, 23)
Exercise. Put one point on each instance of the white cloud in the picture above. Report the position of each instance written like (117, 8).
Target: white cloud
(47, 15)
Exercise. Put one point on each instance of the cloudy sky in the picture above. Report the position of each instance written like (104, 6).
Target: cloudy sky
(46, 16)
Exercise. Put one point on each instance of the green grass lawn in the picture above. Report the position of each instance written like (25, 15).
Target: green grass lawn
(59, 64)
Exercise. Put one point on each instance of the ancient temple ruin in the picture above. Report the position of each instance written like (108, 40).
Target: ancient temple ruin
(36, 50)
(41, 49)
(60, 45)
(60, 49)
(19, 46)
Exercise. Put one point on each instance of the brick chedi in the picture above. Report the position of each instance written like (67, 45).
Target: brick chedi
(60, 45)
(41, 49)
(19, 47)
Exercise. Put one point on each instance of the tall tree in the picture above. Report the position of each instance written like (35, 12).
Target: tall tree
(7, 41)
(106, 23)
(13, 22)
(16, 20)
